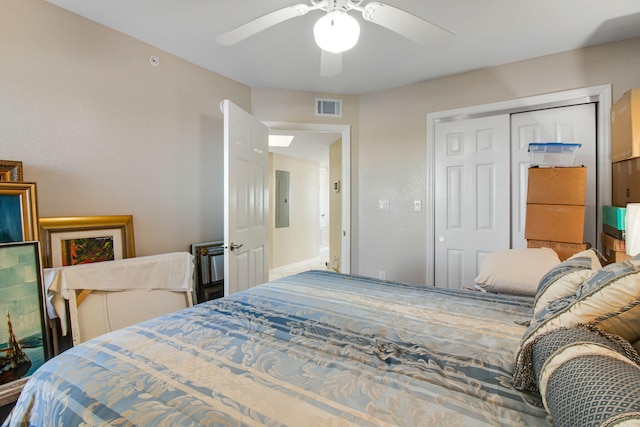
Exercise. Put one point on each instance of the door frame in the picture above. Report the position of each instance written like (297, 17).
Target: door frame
(345, 186)
(600, 94)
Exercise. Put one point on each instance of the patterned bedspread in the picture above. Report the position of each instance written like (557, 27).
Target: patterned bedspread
(314, 349)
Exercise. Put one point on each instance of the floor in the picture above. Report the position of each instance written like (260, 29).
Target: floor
(312, 264)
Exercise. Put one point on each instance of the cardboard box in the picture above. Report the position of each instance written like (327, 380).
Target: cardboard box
(625, 126)
(613, 249)
(625, 177)
(612, 243)
(564, 250)
(556, 223)
(557, 186)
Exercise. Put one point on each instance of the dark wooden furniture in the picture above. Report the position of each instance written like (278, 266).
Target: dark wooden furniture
(209, 258)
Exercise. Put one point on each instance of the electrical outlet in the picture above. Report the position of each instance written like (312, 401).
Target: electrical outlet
(382, 275)
(417, 205)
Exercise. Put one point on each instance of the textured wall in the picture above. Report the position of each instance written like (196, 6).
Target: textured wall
(393, 142)
(301, 240)
(104, 132)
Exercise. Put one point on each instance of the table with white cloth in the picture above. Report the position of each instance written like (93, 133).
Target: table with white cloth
(158, 277)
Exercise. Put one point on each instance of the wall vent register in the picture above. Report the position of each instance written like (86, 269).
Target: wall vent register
(328, 107)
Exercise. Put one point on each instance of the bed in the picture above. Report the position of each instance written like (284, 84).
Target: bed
(321, 348)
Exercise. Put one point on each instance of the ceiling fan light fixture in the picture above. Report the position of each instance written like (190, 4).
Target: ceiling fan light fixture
(337, 31)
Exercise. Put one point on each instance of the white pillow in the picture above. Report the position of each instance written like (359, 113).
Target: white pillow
(516, 271)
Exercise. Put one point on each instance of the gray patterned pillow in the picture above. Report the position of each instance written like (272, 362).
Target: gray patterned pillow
(609, 299)
(556, 339)
(586, 379)
(565, 278)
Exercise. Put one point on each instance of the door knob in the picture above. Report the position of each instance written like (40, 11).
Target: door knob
(233, 246)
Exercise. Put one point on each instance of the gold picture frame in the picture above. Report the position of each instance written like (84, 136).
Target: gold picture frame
(10, 170)
(84, 239)
(18, 212)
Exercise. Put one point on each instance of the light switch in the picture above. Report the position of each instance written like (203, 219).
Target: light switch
(417, 205)
(383, 205)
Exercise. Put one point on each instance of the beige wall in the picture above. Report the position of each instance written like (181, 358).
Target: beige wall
(335, 206)
(301, 240)
(392, 141)
(104, 132)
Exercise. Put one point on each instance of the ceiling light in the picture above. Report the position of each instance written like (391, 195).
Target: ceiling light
(336, 31)
(280, 140)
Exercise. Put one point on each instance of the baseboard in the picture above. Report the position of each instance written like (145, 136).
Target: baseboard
(301, 264)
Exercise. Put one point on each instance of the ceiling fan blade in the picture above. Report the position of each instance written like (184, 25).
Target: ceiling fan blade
(406, 24)
(247, 30)
(330, 63)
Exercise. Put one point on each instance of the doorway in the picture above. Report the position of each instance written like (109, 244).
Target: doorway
(600, 95)
(313, 148)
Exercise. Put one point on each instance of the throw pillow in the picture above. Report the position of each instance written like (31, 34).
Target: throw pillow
(564, 278)
(587, 378)
(515, 271)
(609, 300)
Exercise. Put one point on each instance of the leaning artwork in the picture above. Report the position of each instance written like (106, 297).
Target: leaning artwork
(23, 335)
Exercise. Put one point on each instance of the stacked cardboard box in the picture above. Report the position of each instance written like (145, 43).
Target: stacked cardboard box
(625, 155)
(555, 209)
(613, 249)
(625, 126)
(625, 149)
(626, 182)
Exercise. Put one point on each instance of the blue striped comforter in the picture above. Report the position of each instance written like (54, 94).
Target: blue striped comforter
(314, 349)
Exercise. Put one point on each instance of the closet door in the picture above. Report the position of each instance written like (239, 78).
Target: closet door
(472, 196)
(575, 124)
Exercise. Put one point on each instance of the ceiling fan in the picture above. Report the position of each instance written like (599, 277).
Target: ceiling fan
(337, 31)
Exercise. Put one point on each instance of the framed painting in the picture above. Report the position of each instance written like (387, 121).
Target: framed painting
(10, 170)
(86, 239)
(18, 212)
(24, 336)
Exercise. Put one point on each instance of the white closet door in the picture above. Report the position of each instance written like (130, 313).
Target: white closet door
(472, 197)
(575, 124)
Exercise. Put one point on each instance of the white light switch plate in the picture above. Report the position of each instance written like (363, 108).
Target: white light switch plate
(383, 205)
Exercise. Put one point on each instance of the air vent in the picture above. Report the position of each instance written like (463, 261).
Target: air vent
(328, 107)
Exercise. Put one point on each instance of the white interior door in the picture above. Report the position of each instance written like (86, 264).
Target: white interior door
(246, 200)
(472, 197)
(575, 124)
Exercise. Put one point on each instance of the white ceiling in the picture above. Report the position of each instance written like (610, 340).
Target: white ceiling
(487, 33)
(313, 146)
